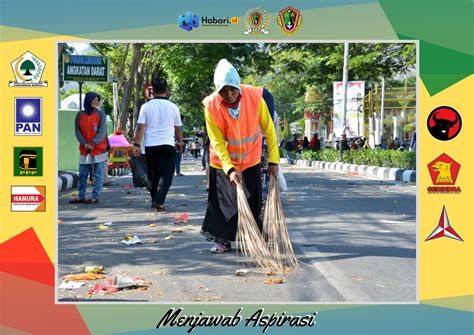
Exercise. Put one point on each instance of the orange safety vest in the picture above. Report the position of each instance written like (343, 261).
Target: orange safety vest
(243, 136)
(89, 124)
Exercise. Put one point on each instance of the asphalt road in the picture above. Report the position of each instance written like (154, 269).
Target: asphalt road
(355, 237)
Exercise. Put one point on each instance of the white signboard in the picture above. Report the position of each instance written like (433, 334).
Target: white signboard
(355, 99)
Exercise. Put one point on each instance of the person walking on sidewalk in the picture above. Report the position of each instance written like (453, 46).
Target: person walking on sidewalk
(235, 117)
(159, 126)
(91, 131)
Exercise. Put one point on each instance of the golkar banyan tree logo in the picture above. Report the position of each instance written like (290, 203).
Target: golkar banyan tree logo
(444, 172)
(289, 20)
(28, 70)
(256, 22)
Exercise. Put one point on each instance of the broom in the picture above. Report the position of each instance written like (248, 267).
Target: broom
(249, 238)
(275, 231)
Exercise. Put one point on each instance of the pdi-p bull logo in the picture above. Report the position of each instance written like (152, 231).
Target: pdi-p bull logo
(444, 123)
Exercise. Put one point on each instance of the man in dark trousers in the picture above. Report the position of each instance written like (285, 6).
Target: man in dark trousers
(159, 126)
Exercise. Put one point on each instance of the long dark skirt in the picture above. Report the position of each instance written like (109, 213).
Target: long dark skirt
(220, 222)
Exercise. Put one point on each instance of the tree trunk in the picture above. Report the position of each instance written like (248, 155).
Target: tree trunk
(128, 85)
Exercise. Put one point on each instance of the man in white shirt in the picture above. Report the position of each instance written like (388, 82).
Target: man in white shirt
(159, 127)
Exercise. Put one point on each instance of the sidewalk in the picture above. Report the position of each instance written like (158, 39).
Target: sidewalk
(392, 174)
(67, 180)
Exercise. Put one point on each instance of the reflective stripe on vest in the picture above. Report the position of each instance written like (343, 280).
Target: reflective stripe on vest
(244, 140)
(243, 136)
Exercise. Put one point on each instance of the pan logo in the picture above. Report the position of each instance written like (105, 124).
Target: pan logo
(444, 172)
(28, 198)
(27, 161)
(28, 116)
(28, 70)
(444, 228)
(444, 123)
(188, 21)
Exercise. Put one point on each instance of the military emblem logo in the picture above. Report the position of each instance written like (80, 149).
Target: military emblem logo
(28, 70)
(444, 229)
(27, 161)
(256, 22)
(289, 20)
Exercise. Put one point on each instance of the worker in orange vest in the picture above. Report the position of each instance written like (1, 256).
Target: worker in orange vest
(91, 133)
(236, 115)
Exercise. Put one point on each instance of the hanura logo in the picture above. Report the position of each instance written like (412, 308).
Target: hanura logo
(256, 22)
(28, 70)
(289, 20)
(28, 114)
(28, 198)
(27, 162)
(444, 171)
(188, 21)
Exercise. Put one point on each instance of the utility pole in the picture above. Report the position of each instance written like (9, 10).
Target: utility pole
(382, 106)
(345, 74)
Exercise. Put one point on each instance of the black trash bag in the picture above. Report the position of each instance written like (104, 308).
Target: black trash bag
(139, 171)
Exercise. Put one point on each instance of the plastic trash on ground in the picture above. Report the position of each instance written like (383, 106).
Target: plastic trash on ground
(129, 240)
(71, 285)
(122, 281)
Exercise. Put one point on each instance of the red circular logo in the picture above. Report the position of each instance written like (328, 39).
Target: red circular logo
(444, 123)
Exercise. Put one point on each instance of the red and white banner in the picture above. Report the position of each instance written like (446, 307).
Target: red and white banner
(28, 198)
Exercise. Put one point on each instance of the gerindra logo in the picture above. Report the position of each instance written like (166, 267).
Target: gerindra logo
(28, 116)
(444, 172)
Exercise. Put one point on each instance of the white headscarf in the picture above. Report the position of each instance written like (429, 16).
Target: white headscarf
(226, 75)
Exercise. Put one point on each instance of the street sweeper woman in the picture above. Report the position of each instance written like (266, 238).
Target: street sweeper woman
(236, 115)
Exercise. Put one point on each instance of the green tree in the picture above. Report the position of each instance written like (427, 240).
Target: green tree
(26, 66)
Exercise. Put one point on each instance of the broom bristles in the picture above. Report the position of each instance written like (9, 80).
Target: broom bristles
(249, 238)
(275, 231)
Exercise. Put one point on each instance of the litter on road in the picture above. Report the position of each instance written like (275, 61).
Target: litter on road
(93, 268)
(83, 276)
(120, 281)
(182, 218)
(271, 281)
(71, 285)
(129, 240)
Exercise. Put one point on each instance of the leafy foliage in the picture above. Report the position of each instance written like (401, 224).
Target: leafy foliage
(300, 76)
